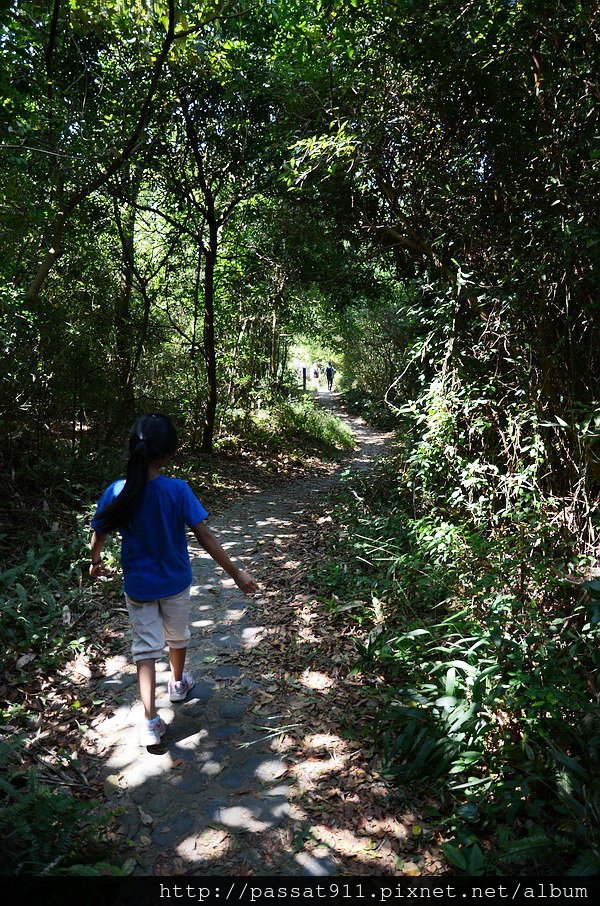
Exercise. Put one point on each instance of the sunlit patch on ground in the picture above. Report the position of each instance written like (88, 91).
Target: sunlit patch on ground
(314, 768)
(212, 843)
(312, 679)
(342, 840)
(328, 741)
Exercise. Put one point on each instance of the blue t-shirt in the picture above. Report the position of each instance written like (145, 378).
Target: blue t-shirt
(154, 551)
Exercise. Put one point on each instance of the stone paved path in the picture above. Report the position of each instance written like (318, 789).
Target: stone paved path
(201, 801)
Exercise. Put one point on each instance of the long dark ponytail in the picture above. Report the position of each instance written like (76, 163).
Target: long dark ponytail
(151, 438)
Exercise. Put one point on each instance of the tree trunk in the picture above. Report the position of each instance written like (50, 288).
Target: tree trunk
(126, 229)
(79, 195)
(210, 357)
(194, 350)
(274, 351)
(284, 358)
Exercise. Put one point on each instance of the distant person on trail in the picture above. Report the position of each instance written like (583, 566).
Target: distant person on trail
(152, 513)
(329, 372)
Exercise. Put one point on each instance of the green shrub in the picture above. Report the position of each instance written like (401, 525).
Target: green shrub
(311, 428)
(489, 660)
(43, 569)
(46, 831)
(295, 427)
(371, 407)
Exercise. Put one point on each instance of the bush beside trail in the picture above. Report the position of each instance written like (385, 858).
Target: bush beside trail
(482, 654)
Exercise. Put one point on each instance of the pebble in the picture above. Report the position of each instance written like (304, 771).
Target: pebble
(201, 692)
(232, 710)
(227, 670)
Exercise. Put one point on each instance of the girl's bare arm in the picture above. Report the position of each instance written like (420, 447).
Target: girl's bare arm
(212, 546)
(97, 545)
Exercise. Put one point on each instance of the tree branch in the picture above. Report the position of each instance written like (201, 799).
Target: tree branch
(64, 215)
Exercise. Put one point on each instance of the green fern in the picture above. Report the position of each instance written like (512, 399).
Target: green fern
(41, 828)
(534, 846)
(588, 863)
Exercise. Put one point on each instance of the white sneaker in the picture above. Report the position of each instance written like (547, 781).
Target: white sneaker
(151, 731)
(178, 691)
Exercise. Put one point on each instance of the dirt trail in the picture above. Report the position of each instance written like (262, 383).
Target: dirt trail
(220, 795)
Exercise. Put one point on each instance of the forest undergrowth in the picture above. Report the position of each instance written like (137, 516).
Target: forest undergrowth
(478, 639)
(58, 628)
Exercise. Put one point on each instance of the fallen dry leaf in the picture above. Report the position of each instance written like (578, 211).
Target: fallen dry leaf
(146, 818)
(168, 864)
(24, 660)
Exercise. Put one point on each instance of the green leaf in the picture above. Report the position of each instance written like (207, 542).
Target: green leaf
(455, 856)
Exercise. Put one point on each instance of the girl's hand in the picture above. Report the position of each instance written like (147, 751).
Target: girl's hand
(246, 583)
(96, 570)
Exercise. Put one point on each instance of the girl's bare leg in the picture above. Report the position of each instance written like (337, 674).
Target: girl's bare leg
(177, 662)
(146, 671)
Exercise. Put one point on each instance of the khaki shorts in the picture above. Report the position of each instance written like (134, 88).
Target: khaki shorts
(154, 622)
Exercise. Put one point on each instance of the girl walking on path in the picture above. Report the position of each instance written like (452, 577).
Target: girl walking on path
(152, 513)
